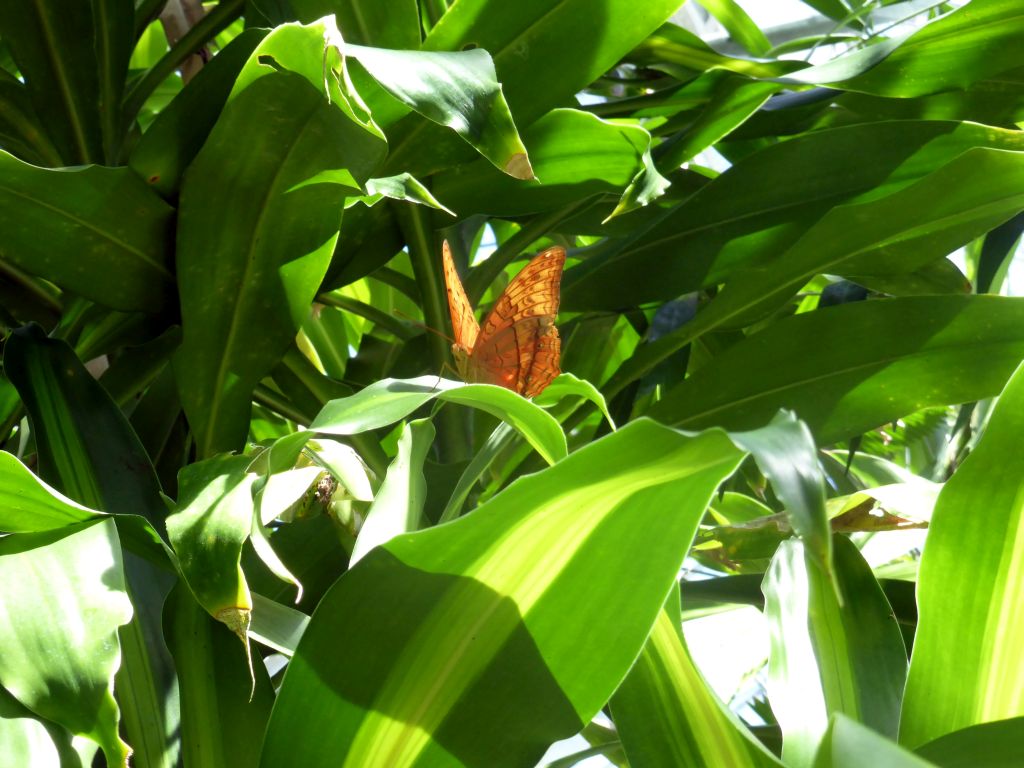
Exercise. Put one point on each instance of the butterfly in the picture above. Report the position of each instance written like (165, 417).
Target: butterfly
(518, 346)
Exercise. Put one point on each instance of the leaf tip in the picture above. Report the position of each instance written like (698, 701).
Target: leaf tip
(518, 166)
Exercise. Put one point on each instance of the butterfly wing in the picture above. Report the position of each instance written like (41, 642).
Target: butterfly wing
(518, 346)
(464, 325)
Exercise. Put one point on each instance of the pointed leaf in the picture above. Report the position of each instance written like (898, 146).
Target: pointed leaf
(391, 400)
(256, 229)
(95, 231)
(62, 599)
(458, 90)
(829, 656)
(950, 349)
(666, 714)
(965, 668)
(466, 644)
(398, 506)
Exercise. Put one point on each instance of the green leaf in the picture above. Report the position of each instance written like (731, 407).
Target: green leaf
(965, 669)
(54, 46)
(20, 130)
(30, 740)
(212, 521)
(29, 505)
(398, 506)
(467, 644)
(671, 45)
(391, 400)
(575, 155)
(734, 100)
(256, 229)
(999, 744)
(176, 136)
(646, 187)
(786, 455)
(59, 627)
(739, 25)
(666, 715)
(401, 187)
(394, 24)
(537, 70)
(954, 51)
(950, 349)
(224, 715)
(275, 625)
(848, 744)
(901, 232)
(86, 449)
(457, 90)
(835, 648)
(94, 231)
(736, 221)
(567, 385)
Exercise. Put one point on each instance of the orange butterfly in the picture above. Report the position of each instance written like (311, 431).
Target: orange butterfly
(518, 346)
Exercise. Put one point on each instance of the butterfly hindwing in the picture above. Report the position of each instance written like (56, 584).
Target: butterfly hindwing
(518, 345)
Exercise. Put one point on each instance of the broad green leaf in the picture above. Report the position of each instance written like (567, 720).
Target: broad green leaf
(398, 506)
(113, 25)
(848, 744)
(30, 740)
(346, 466)
(646, 187)
(666, 715)
(835, 647)
(483, 459)
(920, 223)
(999, 744)
(458, 90)
(739, 25)
(575, 155)
(95, 231)
(537, 70)
(467, 644)
(28, 505)
(394, 24)
(256, 229)
(674, 46)
(224, 712)
(86, 449)
(734, 100)
(54, 46)
(950, 349)
(965, 668)
(567, 385)
(281, 491)
(391, 400)
(176, 136)
(738, 221)
(212, 521)
(62, 601)
(969, 44)
(786, 455)
(20, 130)
(275, 625)
(85, 446)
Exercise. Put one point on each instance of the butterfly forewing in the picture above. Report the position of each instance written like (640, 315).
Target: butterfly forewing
(464, 326)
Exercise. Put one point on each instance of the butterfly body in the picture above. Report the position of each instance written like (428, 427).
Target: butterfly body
(517, 346)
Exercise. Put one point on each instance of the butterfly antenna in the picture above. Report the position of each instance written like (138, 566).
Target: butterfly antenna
(418, 324)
